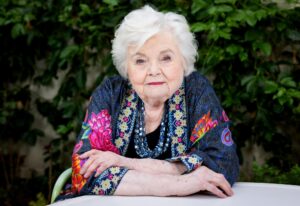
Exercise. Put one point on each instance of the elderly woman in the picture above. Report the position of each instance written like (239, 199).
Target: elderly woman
(158, 128)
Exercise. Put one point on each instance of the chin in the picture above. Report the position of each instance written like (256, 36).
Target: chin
(159, 98)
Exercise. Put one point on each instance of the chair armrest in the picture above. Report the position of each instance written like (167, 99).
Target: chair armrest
(60, 182)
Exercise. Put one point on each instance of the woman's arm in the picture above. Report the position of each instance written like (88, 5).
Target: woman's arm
(142, 183)
(99, 161)
(154, 166)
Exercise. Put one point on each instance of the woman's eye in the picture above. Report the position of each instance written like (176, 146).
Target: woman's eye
(139, 61)
(166, 58)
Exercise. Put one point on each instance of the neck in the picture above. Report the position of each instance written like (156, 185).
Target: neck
(153, 116)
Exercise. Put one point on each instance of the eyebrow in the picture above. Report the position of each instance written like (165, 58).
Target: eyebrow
(163, 51)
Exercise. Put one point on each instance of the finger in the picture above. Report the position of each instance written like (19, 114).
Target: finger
(91, 169)
(88, 154)
(99, 170)
(220, 181)
(87, 165)
(103, 167)
(215, 190)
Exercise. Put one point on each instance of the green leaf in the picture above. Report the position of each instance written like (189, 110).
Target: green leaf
(29, 17)
(233, 49)
(69, 51)
(260, 14)
(264, 47)
(198, 5)
(251, 85)
(197, 27)
(243, 56)
(247, 79)
(64, 129)
(85, 8)
(250, 18)
(270, 87)
(281, 96)
(219, 9)
(238, 15)
(111, 2)
(225, 1)
(281, 26)
(294, 93)
(288, 81)
(17, 30)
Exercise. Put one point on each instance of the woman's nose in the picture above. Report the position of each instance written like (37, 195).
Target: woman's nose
(154, 69)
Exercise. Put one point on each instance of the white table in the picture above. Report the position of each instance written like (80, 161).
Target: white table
(245, 194)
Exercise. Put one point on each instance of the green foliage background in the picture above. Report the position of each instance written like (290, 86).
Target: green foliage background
(248, 49)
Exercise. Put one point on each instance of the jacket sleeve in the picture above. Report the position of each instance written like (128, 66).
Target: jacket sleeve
(211, 142)
(96, 133)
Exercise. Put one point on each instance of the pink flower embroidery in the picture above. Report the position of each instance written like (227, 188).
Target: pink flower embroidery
(100, 137)
(77, 147)
(225, 117)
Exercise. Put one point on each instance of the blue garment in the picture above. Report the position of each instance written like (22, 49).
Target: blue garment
(200, 131)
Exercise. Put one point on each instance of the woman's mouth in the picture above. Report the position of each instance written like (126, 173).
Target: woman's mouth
(155, 83)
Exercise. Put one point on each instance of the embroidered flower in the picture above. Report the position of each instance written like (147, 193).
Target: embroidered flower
(96, 190)
(77, 147)
(174, 140)
(180, 148)
(105, 185)
(115, 179)
(119, 142)
(193, 160)
(115, 170)
(100, 137)
(110, 176)
(225, 117)
(123, 126)
(177, 99)
(127, 112)
(78, 180)
(178, 123)
(131, 96)
(172, 107)
(179, 131)
(121, 134)
(178, 114)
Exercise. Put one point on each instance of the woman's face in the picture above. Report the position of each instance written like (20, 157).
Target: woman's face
(156, 70)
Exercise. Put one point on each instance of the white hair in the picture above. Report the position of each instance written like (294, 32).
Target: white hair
(141, 24)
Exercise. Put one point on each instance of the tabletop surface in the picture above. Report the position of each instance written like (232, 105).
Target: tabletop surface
(245, 194)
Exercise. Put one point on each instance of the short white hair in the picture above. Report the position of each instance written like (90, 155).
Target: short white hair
(141, 24)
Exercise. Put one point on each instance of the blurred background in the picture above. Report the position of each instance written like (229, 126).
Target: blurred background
(53, 53)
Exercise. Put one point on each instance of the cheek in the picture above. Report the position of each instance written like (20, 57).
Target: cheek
(174, 76)
(137, 79)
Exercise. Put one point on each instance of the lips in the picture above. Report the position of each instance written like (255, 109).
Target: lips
(155, 83)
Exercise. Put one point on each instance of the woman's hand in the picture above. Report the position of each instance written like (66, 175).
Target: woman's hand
(206, 179)
(99, 161)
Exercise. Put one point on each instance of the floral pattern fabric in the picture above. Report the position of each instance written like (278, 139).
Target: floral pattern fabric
(196, 122)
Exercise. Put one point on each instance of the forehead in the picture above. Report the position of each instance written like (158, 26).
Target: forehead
(161, 42)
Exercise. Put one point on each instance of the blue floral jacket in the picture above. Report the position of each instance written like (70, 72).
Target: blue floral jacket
(200, 131)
